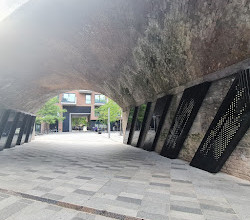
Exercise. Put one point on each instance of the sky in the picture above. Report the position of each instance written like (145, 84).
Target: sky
(9, 6)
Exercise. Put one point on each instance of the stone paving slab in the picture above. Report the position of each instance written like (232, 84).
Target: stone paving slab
(88, 176)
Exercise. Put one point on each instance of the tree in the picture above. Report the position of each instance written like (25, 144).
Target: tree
(50, 112)
(76, 122)
(102, 112)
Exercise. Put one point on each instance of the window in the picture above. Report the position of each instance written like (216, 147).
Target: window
(69, 98)
(88, 99)
(100, 99)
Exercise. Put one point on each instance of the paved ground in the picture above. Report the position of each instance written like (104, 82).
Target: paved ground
(77, 176)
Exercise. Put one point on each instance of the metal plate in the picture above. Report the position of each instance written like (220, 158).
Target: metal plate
(160, 121)
(132, 128)
(17, 129)
(22, 130)
(26, 129)
(187, 110)
(228, 127)
(7, 128)
(138, 124)
(129, 123)
(157, 120)
(13, 131)
(30, 129)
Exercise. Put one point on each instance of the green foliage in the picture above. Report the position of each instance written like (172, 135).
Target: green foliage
(102, 112)
(131, 114)
(141, 112)
(50, 112)
(79, 121)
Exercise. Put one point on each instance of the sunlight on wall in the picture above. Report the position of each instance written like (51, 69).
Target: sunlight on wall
(7, 7)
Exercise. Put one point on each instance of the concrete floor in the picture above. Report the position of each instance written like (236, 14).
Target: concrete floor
(78, 175)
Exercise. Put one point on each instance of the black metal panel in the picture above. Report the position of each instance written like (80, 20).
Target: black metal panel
(228, 127)
(1, 114)
(26, 129)
(132, 129)
(17, 130)
(22, 130)
(159, 116)
(4, 118)
(138, 124)
(30, 129)
(7, 128)
(187, 110)
(145, 125)
(129, 123)
(13, 131)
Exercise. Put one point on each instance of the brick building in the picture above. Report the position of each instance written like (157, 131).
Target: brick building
(80, 103)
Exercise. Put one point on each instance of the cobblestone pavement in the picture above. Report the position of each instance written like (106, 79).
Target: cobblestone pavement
(77, 176)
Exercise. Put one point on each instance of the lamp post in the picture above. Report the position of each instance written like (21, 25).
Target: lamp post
(108, 122)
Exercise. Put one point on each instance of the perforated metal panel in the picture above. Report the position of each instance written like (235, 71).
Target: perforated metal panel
(187, 110)
(228, 127)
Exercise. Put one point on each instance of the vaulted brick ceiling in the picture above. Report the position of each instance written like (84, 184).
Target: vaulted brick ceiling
(129, 50)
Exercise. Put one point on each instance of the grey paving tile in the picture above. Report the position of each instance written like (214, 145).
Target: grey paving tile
(159, 184)
(183, 194)
(85, 192)
(185, 209)
(244, 184)
(61, 172)
(123, 177)
(45, 178)
(151, 216)
(181, 181)
(160, 176)
(129, 200)
(11, 209)
(217, 208)
(84, 177)
(53, 196)
(178, 168)
(43, 189)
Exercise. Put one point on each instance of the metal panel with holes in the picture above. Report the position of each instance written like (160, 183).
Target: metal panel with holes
(157, 120)
(228, 127)
(187, 110)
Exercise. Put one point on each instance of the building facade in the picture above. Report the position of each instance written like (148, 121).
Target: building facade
(79, 104)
